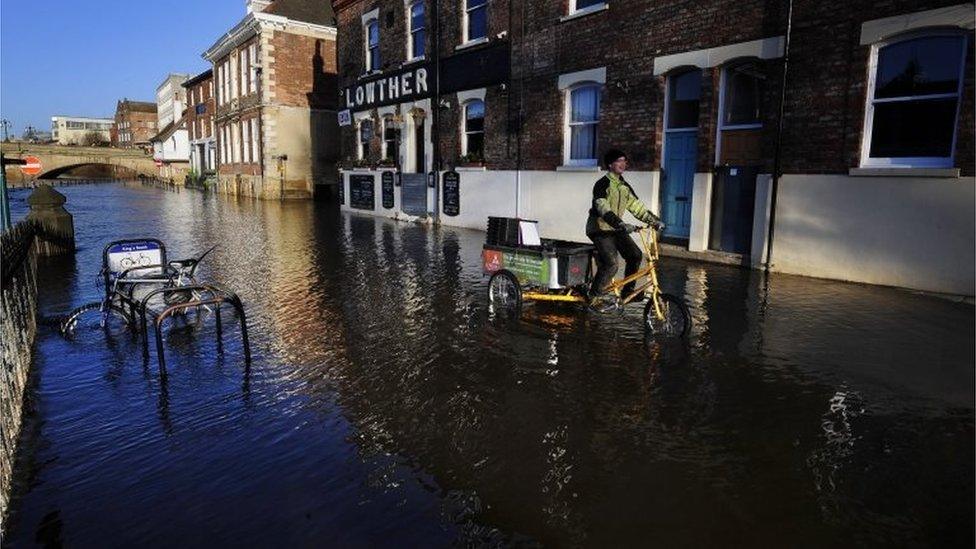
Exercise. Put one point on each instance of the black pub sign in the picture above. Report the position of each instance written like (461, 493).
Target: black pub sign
(390, 88)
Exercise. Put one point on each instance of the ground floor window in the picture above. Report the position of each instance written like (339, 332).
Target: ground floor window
(583, 120)
(473, 131)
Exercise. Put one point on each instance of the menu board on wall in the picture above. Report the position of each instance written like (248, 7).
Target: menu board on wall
(388, 190)
(362, 194)
(451, 194)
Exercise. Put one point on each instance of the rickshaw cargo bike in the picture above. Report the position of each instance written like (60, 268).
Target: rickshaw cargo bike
(140, 283)
(526, 268)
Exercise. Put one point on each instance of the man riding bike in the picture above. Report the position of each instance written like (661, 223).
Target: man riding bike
(605, 227)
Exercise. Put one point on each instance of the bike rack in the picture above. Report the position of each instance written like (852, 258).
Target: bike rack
(143, 306)
(218, 301)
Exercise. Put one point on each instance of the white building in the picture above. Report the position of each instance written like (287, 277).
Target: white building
(72, 130)
(170, 99)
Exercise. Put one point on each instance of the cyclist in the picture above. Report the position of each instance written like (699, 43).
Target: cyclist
(611, 196)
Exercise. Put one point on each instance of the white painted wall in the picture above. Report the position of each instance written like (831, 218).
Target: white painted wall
(909, 232)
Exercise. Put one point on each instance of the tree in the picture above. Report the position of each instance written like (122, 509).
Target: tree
(93, 139)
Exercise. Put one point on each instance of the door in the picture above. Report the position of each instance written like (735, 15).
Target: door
(681, 156)
(413, 190)
(681, 111)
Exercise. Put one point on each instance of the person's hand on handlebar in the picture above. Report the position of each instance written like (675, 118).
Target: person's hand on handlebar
(657, 225)
(628, 228)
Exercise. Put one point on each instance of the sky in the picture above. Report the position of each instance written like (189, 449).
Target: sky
(79, 57)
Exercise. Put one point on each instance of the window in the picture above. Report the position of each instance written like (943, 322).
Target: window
(913, 101)
(254, 140)
(365, 136)
(372, 45)
(684, 92)
(742, 96)
(475, 20)
(417, 31)
(390, 135)
(580, 5)
(584, 120)
(253, 58)
(244, 70)
(473, 134)
(246, 140)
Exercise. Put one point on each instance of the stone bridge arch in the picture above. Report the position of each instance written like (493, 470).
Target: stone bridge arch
(57, 159)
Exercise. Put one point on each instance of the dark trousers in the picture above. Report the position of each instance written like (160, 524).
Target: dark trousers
(607, 247)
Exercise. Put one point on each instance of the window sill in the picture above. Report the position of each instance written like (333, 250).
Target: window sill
(414, 61)
(369, 73)
(589, 169)
(472, 43)
(904, 172)
(585, 11)
(470, 168)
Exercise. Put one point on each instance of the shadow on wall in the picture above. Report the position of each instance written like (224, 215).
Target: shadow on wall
(323, 128)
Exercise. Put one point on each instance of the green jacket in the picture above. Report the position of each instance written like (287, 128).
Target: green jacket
(611, 196)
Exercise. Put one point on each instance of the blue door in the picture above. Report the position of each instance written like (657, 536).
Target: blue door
(680, 156)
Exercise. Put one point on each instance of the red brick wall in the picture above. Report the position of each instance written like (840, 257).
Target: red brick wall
(825, 99)
(304, 71)
(197, 94)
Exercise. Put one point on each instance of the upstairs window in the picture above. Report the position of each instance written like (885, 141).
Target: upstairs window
(418, 33)
(586, 5)
(473, 135)
(583, 121)
(913, 101)
(372, 45)
(475, 20)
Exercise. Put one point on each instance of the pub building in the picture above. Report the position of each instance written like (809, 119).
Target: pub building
(453, 111)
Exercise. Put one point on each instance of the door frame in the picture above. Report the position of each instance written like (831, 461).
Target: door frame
(664, 139)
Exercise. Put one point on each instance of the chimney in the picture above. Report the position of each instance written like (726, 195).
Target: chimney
(257, 5)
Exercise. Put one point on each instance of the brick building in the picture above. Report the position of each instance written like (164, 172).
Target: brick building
(876, 141)
(199, 118)
(274, 76)
(135, 123)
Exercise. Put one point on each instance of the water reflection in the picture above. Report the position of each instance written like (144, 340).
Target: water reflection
(385, 403)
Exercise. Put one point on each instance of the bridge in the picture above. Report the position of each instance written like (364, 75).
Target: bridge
(57, 160)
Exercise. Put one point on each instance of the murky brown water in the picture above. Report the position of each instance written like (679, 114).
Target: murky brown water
(385, 408)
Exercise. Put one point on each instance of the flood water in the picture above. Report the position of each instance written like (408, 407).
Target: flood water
(385, 408)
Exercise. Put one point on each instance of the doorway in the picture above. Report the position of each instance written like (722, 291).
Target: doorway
(680, 158)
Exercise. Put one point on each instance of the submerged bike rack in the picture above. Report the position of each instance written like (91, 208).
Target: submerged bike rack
(218, 297)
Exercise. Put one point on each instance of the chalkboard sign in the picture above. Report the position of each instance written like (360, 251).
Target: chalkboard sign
(342, 191)
(452, 194)
(388, 190)
(362, 195)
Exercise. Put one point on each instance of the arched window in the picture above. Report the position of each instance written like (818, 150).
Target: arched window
(417, 30)
(583, 105)
(473, 132)
(372, 45)
(914, 87)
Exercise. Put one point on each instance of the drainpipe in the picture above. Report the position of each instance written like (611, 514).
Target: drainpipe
(779, 140)
(518, 118)
(436, 107)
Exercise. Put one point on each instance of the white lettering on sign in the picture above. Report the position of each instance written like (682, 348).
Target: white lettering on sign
(405, 86)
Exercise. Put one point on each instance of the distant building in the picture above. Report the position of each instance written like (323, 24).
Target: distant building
(276, 96)
(171, 99)
(199, 119)
(75, 130)
(171, 151)
(135, 123)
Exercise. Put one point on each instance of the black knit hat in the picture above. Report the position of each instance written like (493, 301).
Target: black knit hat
(612, 155)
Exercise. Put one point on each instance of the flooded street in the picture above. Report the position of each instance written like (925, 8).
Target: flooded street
(385, 408)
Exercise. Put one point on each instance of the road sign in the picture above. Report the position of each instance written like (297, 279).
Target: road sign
(31, 166)
(159, 163)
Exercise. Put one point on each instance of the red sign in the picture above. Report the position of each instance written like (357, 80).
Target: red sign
(159, 163)
(31, 165)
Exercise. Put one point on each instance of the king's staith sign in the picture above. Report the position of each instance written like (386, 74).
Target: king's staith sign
(397, 87)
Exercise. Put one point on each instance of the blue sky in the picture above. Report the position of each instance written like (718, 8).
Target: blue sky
(79, 57)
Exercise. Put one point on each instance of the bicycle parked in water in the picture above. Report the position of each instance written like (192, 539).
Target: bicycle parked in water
(561, 271)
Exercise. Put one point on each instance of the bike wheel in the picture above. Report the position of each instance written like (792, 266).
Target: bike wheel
(675, 320)
(113, 320)
(504, 294)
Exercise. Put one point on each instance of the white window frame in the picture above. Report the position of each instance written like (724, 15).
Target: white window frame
(359, 135)
(368, 19)
(574, 10)
(568, 124)
(246, 140)
(467, 40)
(411, 54)
(915, 161)
(384, 145)
(464, 125)
(721, 125)
(255, 148)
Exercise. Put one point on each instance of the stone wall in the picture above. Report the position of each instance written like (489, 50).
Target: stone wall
(18, 326)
